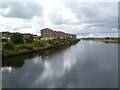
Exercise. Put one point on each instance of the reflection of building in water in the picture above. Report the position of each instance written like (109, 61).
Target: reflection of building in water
(39, 59)
(44, 57)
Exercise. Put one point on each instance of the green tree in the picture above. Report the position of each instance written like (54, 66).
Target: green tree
(17, 38)
(9, 46)
(39, 38)
(31, 38)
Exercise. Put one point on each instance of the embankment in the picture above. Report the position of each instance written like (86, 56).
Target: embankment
(9, 53)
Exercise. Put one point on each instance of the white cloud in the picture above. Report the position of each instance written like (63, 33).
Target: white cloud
(83, 19)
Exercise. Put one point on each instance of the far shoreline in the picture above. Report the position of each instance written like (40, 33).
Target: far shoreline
(106, 39)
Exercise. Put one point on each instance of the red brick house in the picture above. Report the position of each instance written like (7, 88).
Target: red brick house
(47, 34)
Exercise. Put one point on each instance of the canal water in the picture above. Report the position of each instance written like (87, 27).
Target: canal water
(86, 64)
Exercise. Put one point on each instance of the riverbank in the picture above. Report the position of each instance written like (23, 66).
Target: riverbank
(12, 50)
(106, 40)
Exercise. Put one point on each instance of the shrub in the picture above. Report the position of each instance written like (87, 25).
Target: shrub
(51, 41)
(29, 46)
(9, 46)
(42, 43)
(17, 38)
(21, 46)
(17, 48)
(26, 46)
(36, 44)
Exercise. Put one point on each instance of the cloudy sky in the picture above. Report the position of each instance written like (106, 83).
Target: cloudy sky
(86, 19)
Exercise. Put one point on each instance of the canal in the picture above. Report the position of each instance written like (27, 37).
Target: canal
(86, 64)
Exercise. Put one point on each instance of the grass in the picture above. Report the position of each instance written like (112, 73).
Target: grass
(42, 43)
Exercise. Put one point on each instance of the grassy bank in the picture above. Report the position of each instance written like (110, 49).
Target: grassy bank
(107, 39)
(10, 48)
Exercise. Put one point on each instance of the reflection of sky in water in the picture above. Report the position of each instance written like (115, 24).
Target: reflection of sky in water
(85, 65)
(9, 69)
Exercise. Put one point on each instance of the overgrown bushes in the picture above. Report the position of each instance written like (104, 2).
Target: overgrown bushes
(42, 43)
(17, 38)
(9, 46)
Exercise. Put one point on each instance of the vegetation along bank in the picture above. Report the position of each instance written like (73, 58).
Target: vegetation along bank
(17, 45)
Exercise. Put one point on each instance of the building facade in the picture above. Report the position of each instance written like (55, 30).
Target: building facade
(6, 36)
(47, 34)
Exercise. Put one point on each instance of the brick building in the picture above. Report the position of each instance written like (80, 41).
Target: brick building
(73, 36)
(35, 37)
(6, 36)
(47, 34)
(26, 36)
(56, 35)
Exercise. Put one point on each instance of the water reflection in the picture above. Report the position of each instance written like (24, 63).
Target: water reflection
(9, 69)
(83, 65)
(18, 61)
